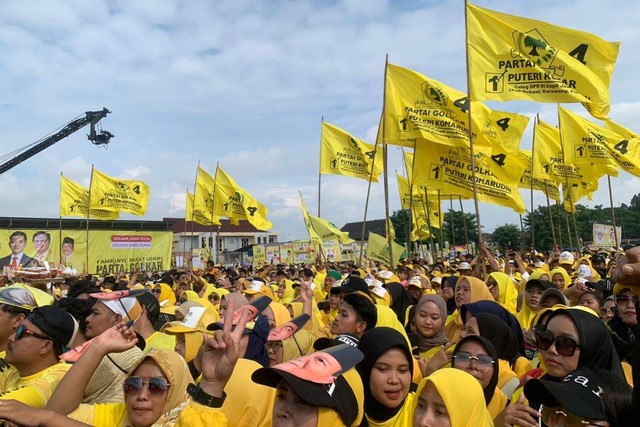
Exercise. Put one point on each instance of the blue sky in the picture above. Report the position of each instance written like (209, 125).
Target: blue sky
(245, 83)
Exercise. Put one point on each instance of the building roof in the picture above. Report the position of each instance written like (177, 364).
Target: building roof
(178, 226)
(355, 228)
(13, 223)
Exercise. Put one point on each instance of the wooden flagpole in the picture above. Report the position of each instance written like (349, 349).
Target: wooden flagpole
(613, 213)
(385, 153)
(366, 203)
(319, 166)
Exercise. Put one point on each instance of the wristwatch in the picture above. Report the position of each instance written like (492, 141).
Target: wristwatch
(204, 398)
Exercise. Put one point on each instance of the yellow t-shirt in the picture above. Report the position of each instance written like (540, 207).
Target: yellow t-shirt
(403, 418)
(160, 340)
(33, 390)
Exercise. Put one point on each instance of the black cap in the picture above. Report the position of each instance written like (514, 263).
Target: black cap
(150, 302)
(579, 392)
(323, 343)
(337, 395)
(354, 284)
(543, 284)
(54, 322)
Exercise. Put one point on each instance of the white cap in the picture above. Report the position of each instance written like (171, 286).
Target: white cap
(415, 281)
(464, 266)
(385, 274)
(566, 257)
(193, 317)
(121, 306)
(437, 279)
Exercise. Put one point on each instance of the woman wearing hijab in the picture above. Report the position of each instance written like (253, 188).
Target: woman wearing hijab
(560, 278)
(429, 320)
(450, 397)
(386, 372)
(478, 357)
(165, 293)
(504, 290)
(468, 290)
(400, 300)
(498, 333)
(276, 314)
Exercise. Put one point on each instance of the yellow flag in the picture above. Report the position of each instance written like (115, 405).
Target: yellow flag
(329, 231)
(197, 214)
(547, 152)
(74, 201)
(378, 250)
(344, 154)
(627, 151)
(118, 195)
(313, 235)
(418, 108)
(511, 58)
(586, 143)
(419, 201)
(527, 181)
(448, 169)
(574, 190)
(233, 201)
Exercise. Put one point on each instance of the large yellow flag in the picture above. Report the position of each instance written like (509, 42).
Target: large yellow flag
(547, 152)
(527, 181)
(449, 169)
(378, 250)
(74, 201)
(586, 143)
(418, 108)
(511, 57)
(118, 195)
(627, 151)
(233, 201)
(344, 154)
(420, 201)
(197, 214)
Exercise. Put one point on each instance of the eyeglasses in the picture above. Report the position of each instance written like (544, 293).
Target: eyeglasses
(157, 385)
(623, 298)
(565, 346)
(214, 297)
(553, 415)
(274, 345)
(463, 359)
(157, 291)
(22, 330)
(604, 311)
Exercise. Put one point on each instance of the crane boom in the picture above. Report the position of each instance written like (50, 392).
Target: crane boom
(90, 118)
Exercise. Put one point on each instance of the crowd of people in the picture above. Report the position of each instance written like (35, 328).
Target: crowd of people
(477, 340)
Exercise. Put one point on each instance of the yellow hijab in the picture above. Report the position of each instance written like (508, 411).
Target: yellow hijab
(507, 292)
(479, 292)
(190, 295)
(563, 272)
(166, 294)
(280, 313)
(462, 396)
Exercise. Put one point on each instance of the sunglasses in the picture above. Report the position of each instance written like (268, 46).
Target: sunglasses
(463, 359)
(157, 385)
(22, 330)
(157, 291)
(604, 311)
(553, 415)
(565, 346)
(214, 297)
(623, 298)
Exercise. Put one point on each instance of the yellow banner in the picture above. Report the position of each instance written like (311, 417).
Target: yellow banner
(332, 251)
(449, 169)
(233, 201)
(419, 201)
(378, 250)
(198, 214)
(119, 195)
(418, 108)
(343, 154)
(313, 235)
(512, 57)
(286, 253)
(109, 251)
(527, 181)
(627, 151)
(74, 201)
(259, 255)
(586, 143)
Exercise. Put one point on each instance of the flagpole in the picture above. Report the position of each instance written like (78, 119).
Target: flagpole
(566, 180)
(521, 234)
(428, 211)
(453, 235)
(553, 228)
(440, 228)
(613, 213)
(320, 166)
(213, 201)
(193, 207)
(560, 208)
(407, 228)
(532, 221)
(88, 211)
(60, 217)
(385, 154)
(471, 151)
(410, 178)
(464, 223)
(366, 203)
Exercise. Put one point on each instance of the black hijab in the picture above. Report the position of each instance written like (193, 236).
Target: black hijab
(374, 343)
(501, 336)
(596, 345)
(491, 351)
(498, 310)
(400, 300)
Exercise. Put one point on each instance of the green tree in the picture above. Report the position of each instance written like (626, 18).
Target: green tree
(507, 236)
(454, 227)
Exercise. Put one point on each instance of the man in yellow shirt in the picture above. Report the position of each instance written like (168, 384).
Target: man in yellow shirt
(33, 352)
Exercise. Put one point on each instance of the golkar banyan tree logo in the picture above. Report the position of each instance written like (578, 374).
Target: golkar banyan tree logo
(533, 46)
(124, 188)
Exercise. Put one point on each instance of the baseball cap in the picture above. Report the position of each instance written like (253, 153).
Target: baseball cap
(123, 302)
(24, 296)
(334, 274)
(354, 284)
(322, 386)
(566, 257)
(56, 323)
(197, 318)
(254, 287)
(543, 284)
(579, 392)
(464, 266)
(324, 342)
(289, 328)
(415, 281)
(151, 303)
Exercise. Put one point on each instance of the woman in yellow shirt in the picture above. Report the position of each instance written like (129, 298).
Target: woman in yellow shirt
(468, 290)
(430, 317)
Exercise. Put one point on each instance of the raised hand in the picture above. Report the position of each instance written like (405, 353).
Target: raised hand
(117, 339)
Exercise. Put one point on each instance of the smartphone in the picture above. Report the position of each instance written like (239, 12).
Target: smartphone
(413, 340)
